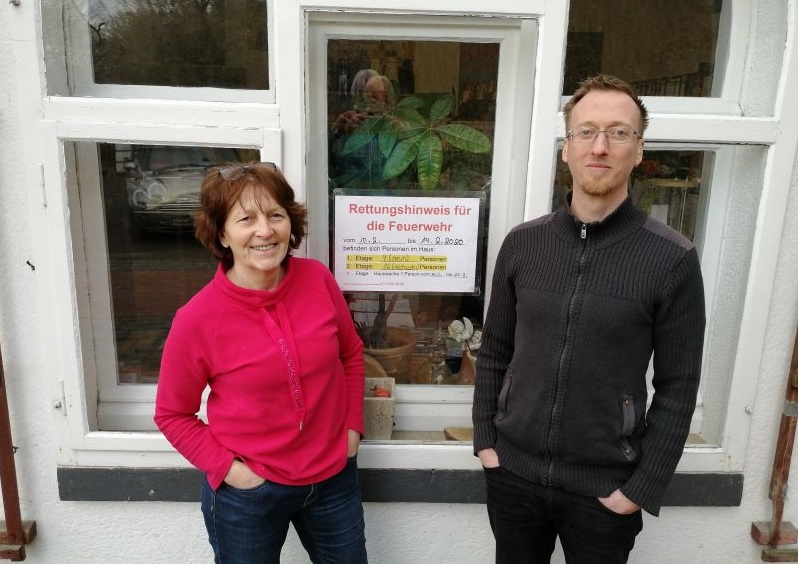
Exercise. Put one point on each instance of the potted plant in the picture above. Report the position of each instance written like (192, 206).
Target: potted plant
(389, 346)
(408, 140)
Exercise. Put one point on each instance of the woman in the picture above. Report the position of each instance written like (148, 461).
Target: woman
(272, 337)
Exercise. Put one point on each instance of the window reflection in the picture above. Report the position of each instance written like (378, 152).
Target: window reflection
(411, 115)
(155, 264)
(666, 184)
(413, 118)
(218, 43)
(661, 48)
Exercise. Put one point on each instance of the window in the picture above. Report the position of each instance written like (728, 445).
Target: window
(149, 194)
(181, 49)
(671, 186)
(135, 205)
(412, 118)
(425, 136)
(218, 44)
(155, 114)
(663, 49)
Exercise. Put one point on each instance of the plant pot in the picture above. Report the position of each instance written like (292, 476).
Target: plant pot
(468, 368)
(378, 412)
(396, 358)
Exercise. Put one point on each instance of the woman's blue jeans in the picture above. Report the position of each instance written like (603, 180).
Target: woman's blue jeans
(250, 526)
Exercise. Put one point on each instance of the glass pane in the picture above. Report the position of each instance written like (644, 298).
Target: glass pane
(411, 124)
(666, 184)
(661, 48)
(216, 43)
(155, 264)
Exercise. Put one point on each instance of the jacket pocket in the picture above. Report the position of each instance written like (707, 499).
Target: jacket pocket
(628, 410)
(502, 402)
(628, 426)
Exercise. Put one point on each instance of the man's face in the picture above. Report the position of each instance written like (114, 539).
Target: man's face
(600, 168)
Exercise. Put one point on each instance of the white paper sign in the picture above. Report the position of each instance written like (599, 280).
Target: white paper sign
(413, 244)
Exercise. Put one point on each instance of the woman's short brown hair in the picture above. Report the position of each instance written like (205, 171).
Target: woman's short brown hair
(223, 187)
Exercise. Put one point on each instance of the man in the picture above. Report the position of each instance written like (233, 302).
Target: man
(581, 299)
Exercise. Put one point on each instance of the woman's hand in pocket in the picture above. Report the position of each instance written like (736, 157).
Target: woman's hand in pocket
(353, 443)
(241, 477)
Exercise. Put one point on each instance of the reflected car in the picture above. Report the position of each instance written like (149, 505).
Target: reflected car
(163, 184)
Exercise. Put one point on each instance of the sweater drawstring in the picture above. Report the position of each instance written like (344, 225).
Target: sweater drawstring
(287, 348)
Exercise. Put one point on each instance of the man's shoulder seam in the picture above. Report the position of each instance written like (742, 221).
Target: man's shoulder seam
(668, 233)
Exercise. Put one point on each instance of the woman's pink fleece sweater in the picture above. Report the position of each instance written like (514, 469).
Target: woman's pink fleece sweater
(285, 372)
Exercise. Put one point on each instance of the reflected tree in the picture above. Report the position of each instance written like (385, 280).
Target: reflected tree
(220, 43)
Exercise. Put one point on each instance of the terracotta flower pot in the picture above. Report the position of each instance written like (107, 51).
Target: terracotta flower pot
(395, 359)
(468, 367)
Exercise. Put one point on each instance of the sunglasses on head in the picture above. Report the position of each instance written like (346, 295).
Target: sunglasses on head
(235, 170)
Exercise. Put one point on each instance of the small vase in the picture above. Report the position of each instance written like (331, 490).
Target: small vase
(468, 368)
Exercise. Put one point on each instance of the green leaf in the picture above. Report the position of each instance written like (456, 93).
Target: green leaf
(410, 102)
(413, 131)
(400, 158)
(387, 140)
(464, 137)
(441, 108)
(391, 132)
(364, 133)
(409, 117)
(430, 160)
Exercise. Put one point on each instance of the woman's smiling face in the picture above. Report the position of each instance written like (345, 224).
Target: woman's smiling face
(258, 233)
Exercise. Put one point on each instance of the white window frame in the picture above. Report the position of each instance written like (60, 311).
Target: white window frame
(702, 122)
(420, 407)
(80, 69)
(97, 391)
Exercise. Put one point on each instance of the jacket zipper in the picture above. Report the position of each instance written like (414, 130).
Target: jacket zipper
(566, 348)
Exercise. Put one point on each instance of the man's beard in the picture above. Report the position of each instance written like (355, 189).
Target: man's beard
(598, 186)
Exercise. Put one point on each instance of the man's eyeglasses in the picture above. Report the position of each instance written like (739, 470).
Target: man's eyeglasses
(615, 135)
(235, 170)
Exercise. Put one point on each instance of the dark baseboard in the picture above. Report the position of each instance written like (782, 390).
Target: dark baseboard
(378, 485)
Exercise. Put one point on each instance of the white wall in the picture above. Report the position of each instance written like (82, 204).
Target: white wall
(89, 532)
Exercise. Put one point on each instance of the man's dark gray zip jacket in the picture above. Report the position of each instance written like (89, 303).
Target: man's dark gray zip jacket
(576, 312)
